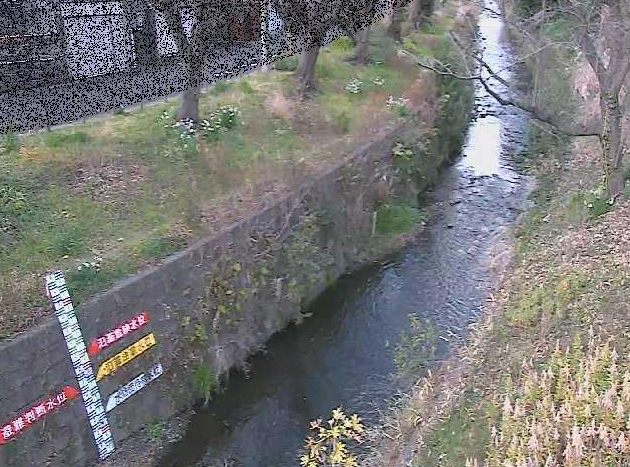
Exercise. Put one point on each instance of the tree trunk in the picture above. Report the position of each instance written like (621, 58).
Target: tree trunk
(189, 105)
(612, 147)
(395, 26)
(426, 8)
(306, 71)
(362, 45)
(415, 8)
(145, 40)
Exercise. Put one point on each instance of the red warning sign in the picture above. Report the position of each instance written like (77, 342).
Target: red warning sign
(16, 426)
(118, 333)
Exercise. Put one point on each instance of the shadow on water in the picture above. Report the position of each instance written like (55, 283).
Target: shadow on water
(343, 354)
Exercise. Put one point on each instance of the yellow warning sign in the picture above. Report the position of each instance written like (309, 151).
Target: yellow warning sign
(110, 366)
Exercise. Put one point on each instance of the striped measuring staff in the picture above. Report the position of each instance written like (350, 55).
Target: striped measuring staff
(57, 291)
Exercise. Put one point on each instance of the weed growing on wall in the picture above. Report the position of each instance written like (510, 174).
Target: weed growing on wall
(405, 162)
(398, 219)
(156, 430)
(304, 255)
(205, 382)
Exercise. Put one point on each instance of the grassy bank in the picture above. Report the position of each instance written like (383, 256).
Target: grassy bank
(545, 378)
(103, 199)
(547, 347)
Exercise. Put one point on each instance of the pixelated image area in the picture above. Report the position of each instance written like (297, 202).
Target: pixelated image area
(62, 61)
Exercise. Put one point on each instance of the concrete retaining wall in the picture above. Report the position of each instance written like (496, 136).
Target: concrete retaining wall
(210, 307)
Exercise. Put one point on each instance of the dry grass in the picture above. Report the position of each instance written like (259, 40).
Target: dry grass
(279, 106)
(581, 270)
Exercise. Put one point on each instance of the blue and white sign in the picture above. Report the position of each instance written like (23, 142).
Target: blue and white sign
(133, 387)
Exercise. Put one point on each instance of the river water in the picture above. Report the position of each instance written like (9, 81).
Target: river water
(344, 354)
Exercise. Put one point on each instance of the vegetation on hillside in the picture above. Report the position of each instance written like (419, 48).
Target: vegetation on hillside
(544, 379)
(101, 199)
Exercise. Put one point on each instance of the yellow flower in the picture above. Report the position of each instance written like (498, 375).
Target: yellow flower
(356, 423)
(338, 414)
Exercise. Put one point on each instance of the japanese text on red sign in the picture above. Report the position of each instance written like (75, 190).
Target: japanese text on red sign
(118, 333)
(19, 424)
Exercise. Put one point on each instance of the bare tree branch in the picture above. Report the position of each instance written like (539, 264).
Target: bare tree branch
(559, 123)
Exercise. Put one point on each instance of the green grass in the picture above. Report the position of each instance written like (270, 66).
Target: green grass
(221, 87)
(463, 435)
(156, 430)
(118, 186)
(161, 247)
(60, 139)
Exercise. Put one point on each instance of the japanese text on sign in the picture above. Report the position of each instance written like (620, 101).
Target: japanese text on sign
(24, 421)
(133, 387)
(124, 357)
(118, 333)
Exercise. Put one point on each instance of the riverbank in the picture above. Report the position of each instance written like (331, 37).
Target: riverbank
(208, 308)
(550, 355)
(566, 288)
(394, 230)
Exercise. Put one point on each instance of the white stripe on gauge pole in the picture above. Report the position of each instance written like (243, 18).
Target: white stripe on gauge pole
(58, 293)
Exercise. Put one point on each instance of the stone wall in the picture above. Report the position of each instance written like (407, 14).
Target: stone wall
(210, 306)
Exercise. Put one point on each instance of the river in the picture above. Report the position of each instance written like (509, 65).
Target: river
(343, 354)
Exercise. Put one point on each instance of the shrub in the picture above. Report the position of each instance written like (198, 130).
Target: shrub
(161, 247)
(546, 302)
(85, 276)
(398, 105)
(223, 119)
(354, 86)
(69, 240)
(328, 447)
(220, 87)
(287, 64)
(245, 87)
(597, 203)
(341, 120)
(343, 44)
(13, 202)
(226, 116)
(378, 81)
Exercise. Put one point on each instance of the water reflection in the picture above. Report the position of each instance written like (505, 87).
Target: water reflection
(488, 132)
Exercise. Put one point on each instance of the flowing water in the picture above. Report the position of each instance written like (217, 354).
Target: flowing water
(343, 355)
